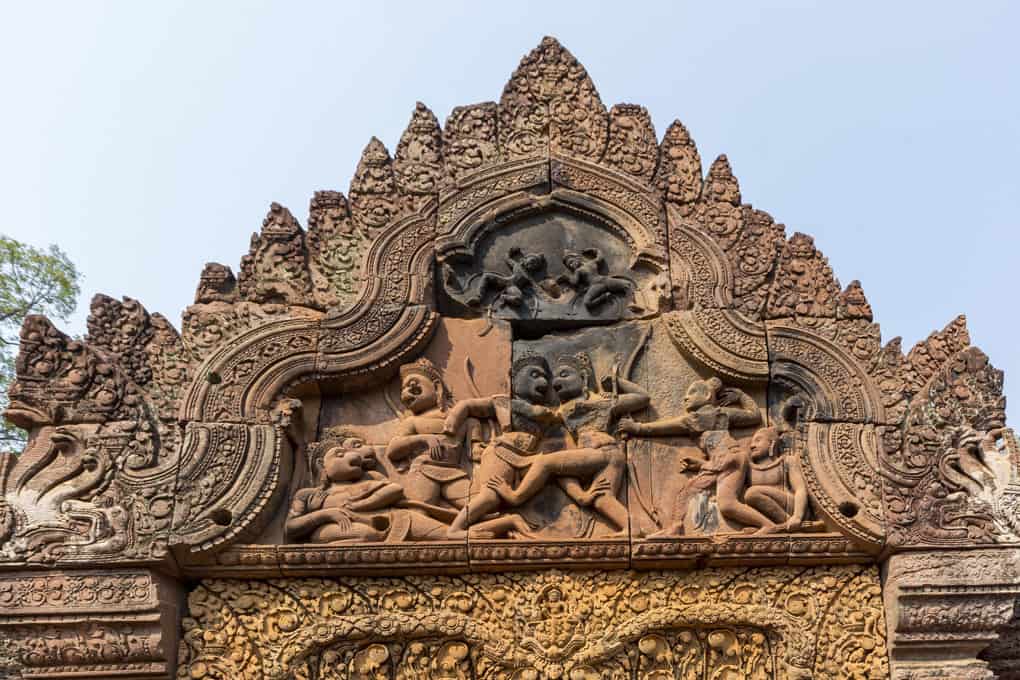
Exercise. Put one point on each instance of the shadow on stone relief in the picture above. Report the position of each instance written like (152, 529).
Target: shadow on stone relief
(554, 267)
(598, 434)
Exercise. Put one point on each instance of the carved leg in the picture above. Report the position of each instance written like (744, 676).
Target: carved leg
(773, 502)
(569, 463)
(608, 504)
(456, 493)
(739, 512)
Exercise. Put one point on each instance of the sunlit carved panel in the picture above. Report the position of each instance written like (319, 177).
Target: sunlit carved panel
(822, 623)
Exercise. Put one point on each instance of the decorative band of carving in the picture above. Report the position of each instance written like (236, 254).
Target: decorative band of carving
(839, 461)
(721, 340)
(767, 623)
(230, 477)
(836, 388)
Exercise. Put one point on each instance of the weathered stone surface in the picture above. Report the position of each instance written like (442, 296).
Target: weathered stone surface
(951, 614)
(534, 339)
(118, 623)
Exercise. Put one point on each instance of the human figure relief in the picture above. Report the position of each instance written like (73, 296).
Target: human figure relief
(592, 453)
(750, 486)
(428, 462)
(510, 452)
(588, 278)
(355, 504)
(776, 485)
(707, 405)
(525, 277)
(710, 411)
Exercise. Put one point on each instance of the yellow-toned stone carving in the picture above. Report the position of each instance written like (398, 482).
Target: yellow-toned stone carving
(717, 624)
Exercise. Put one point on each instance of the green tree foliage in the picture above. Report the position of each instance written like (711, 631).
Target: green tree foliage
(32, 281)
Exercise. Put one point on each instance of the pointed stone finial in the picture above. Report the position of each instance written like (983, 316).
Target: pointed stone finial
(550, 105)
(632, 145)
(335, 250)
(121, 328)
(275, 270)
(418, 163)
(469, 140)
(853, 304)
(928, 356)
(373, 189)
(216, 284)
(804, 284)
(720, 184)
(678, 176)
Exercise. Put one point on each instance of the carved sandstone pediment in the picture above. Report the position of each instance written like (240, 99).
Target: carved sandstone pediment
(532, 335)
(537, 339)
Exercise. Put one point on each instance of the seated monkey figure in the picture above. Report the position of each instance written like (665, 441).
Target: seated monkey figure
(707, 406)
(592, 453)
(355, 504)
(429, 463)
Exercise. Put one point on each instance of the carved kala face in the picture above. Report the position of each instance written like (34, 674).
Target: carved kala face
(567, 382)
(532, 384)
(345, 463)
(418, 393)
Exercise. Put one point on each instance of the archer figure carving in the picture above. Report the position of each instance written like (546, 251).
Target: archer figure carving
(355, 504)
(591, 453)
(710, 412)
(707, 406)
(588, 277)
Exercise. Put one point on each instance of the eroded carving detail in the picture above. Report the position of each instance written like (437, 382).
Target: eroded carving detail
(276, 268)
(335, 250)
(956, 480)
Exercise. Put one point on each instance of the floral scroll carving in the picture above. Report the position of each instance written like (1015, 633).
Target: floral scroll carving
(622, 623)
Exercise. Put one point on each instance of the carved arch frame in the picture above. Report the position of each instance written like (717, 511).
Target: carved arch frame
(395, 316)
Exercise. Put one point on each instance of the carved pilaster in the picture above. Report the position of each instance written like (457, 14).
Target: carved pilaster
(946, 609)
(115, 623)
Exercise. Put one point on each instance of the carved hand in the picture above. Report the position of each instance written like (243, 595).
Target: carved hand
(600, 488)
(436, 449)
(340, 517)
(628, 428)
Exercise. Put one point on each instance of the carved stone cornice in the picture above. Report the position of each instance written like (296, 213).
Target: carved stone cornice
(114, 623)
(945, 608)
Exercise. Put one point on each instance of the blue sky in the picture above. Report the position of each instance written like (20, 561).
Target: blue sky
(148, 138)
